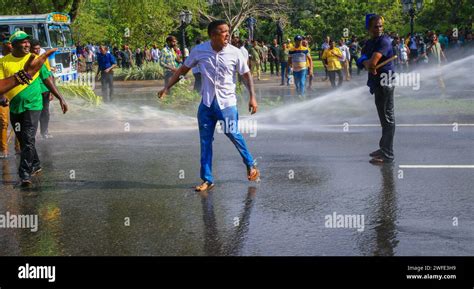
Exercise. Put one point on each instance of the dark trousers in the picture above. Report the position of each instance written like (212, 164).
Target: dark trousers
(385, 110)
(167, 76)
(354, 59)
(125, 64)
(197, 81)
(88, 66)
(284, 74)
(274, 65)
(25, 126)
(332, 77)
(107, 82)
(44, 117)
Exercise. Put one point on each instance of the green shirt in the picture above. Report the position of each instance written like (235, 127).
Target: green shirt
(23, 97)
(254, 54)
(283, 55)
(31, 97)
(44, 88)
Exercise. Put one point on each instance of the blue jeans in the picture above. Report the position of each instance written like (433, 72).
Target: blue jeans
(207, 120)
(283, 73)
(300, 80)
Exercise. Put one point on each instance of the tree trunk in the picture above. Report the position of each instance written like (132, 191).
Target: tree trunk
(59, 6)
(74, 9)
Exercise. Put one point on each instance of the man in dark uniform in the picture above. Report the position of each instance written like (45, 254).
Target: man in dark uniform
(377, 50)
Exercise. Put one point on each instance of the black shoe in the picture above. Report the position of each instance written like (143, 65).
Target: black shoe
(376, 153)
(380, 160)
(36, 171)
(26, 183)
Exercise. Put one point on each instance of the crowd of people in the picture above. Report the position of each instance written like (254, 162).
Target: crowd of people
(125, 56)
(291, 61)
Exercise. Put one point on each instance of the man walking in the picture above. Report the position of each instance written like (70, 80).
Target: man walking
(324, 47)
(346, 58)
(218, 62)
(263, 55)
(4, 109)
(168, 58)
(255, 59)
(155, 54)
(47, 96)
(274, 54)
(283, 57)
(354, 49)
(106, 63)
(332, 60)
(376, 50)
(299, 59)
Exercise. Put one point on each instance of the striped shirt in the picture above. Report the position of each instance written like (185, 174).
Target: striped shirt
(298, 57)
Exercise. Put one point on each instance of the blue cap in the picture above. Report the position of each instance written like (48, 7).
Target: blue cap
(298, 38)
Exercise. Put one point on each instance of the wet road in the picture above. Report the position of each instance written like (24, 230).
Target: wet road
(92, 183)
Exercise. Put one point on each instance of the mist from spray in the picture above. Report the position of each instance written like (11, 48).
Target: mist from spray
(356, 104)
(351, 103)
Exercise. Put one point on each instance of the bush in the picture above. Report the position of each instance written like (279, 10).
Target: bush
(148, 71)
(181, 95)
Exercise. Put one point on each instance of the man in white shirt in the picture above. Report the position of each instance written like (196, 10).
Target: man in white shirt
(196, 72)
(218, 62)
(155, 54)
(346, 58)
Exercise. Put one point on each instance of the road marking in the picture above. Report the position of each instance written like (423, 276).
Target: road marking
(436, 166)
(400, 125)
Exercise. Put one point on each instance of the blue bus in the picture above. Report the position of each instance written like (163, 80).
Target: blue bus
(53, 31)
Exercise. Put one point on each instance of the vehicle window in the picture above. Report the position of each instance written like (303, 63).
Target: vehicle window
(27, 29)
(42, 35)
(4, 29)
(67, 35)
(56, 36)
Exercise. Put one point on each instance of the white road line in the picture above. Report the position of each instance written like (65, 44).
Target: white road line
(400, 125)
(436, 166)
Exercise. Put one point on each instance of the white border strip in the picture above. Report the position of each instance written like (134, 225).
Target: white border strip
(436, 166)
(400, 125)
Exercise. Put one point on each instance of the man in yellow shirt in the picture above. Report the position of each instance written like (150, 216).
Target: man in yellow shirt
(25, 102)
(332, 59)
(4, 110)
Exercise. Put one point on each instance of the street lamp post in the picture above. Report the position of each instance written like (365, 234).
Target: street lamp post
(185, 18)
(412, 7)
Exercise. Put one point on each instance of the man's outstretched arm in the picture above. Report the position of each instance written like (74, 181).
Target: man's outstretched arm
(173, 80)
(248, 81)
(54, 90)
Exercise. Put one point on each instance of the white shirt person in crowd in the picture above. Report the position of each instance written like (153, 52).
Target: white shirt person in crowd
(218, 62)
